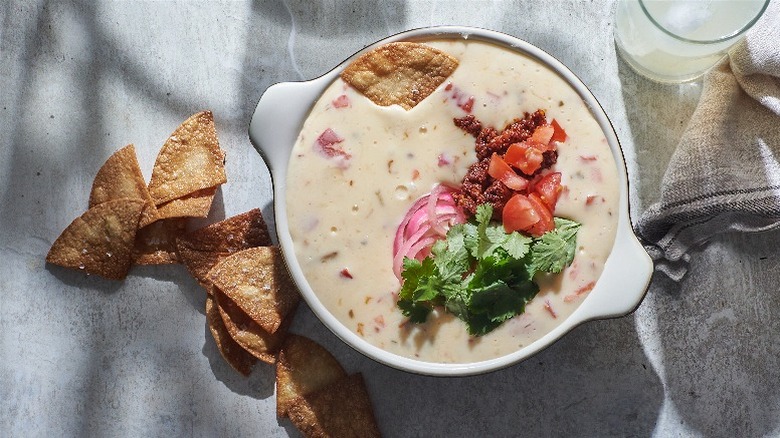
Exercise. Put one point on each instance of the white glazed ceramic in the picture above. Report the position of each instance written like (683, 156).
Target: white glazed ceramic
(274, 129)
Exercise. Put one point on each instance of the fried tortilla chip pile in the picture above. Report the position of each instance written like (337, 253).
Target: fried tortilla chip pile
(402, 73)
(251, 298)
(129, 222)
(250, 304)
(200, 250)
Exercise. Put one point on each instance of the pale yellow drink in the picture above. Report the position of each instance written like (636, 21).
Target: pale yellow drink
(679, 40)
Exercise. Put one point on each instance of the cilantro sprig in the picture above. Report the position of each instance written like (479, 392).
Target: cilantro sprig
(482, 274)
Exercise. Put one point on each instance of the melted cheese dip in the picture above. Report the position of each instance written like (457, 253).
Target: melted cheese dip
(344, 208)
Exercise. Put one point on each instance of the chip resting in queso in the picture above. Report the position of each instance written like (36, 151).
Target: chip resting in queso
(402, 73)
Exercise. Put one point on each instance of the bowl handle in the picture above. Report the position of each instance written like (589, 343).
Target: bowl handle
(279, 116)
(625, 290)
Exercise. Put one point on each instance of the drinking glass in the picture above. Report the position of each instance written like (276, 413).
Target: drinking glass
(676, 41)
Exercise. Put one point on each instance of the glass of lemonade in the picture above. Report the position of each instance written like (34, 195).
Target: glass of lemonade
(679, 40)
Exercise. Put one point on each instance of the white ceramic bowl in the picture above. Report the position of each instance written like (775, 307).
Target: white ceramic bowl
(274, 129)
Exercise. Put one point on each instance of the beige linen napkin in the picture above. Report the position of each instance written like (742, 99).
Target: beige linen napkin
(725, 173)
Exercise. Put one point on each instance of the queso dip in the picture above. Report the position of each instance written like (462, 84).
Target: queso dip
(356, 169)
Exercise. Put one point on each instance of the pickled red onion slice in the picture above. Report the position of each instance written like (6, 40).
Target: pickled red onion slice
(427, 221)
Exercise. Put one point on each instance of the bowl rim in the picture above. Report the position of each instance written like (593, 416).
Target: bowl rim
(611, 297)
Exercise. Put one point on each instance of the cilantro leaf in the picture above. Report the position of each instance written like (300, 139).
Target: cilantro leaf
(486, 238)
(484, 214)
(484, 245)
(470, 238)
(499, 301)
(555, 249)
(456, 301)
(480, 324)
(514, 245)
(451, 256)
(517, 245)
(416, 312)
(494, 238)
(567, 227)
(420, 280)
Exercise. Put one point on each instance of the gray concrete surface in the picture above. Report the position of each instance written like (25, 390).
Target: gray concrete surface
(86, 357)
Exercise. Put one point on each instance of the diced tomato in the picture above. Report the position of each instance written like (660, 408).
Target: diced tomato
(501, 171)
(525, 157)
(551, 146)
(461, 99)
(549, 188)
(559, 134)
(533, 160)
(328, 138)
(519, 214)
(468, 105)
(444, 160)
(543, 134)
(546, 222)
(515, 154)
(328, 145)
(341, 101)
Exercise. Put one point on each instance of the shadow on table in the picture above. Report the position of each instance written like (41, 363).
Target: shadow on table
(259, 384)
(717, 331)
(715, 328)
(596, 381)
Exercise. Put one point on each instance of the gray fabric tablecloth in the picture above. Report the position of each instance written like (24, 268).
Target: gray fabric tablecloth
(85, 357)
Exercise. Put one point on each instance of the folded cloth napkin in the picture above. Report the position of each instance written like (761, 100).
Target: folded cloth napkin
(725, 173)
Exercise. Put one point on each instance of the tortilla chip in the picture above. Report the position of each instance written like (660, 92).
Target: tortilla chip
(237, 357)
(256, 341)
(155, 244)
(342, 409)
(303, 367)
(196, 204)
(190, 160)
(401, 73)
(201, 249)
(100, 241)
(120, 177)
(257, 280)
(210, 291)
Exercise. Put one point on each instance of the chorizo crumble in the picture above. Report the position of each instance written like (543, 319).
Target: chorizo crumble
(480, 188)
